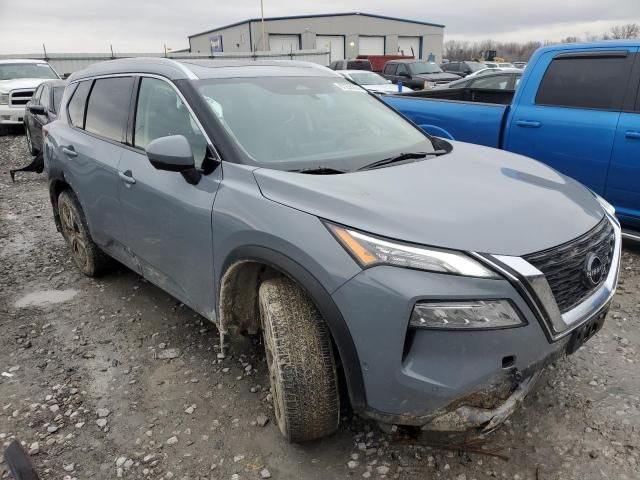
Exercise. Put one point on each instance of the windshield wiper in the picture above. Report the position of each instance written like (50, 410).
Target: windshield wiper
(400, 158)
(319, 170)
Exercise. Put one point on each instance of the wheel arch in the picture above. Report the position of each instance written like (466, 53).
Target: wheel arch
(56, 187)
(241, 274)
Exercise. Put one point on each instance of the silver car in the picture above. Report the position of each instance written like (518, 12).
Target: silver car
(436, 278)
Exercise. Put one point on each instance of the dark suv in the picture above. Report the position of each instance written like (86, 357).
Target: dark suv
(462, 68)
(417, 74)
(355, 64)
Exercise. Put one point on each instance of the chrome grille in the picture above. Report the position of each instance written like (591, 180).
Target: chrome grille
(564, 266)
(19, 98)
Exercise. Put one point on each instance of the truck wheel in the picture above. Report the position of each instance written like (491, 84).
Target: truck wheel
(85, 253)
(301, 364)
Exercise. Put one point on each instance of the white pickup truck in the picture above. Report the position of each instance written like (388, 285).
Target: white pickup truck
(18, 80)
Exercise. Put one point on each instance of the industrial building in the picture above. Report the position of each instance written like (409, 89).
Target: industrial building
(345, 35)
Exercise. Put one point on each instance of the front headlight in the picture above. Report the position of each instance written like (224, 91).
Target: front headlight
(369, 251)
(465, 315)
(4, 99)
(610, 209)
(429, 85)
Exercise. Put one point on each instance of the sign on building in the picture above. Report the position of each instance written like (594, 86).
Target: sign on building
(216, 43)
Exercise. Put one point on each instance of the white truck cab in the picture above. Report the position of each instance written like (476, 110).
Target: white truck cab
(18, 80)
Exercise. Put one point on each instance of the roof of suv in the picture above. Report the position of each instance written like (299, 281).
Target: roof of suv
(409, 60)
(204, 68)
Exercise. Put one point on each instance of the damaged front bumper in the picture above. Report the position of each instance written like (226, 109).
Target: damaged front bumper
(466, 417)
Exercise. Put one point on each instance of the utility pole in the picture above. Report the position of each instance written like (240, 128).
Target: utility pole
(264, 47)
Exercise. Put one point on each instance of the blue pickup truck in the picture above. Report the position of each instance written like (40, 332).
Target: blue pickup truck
(577, 108)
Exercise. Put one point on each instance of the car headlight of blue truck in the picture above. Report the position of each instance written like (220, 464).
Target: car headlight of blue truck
(369, 250)
(465, 315)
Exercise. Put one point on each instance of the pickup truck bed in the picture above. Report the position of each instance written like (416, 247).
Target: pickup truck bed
(467, 121)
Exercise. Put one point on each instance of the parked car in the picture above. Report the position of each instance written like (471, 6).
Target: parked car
(42, 109)
(503, 79)
(356, 64)
(499, 65)
(462, 68)
(283, 198)
(417, 74)
(563, 116)
(18, 81)
(372, 81)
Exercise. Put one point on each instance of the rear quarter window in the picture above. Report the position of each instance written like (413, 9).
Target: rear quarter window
(108, 107)
(77, 103)
(586, 82)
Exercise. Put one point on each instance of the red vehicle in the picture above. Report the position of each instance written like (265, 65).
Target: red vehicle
(378, 61)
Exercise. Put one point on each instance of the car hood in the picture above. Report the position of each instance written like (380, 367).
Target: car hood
(474, 199)
(438, 77)
(18, 83)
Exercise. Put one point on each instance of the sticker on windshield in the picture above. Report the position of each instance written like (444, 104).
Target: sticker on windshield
(349, 87)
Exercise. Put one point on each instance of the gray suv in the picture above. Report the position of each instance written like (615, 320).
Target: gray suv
(425, 282)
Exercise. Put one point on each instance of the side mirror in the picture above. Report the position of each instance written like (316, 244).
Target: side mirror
(37, 109)
(173, 154)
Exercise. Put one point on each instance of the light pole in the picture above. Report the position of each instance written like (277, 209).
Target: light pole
(264, 48)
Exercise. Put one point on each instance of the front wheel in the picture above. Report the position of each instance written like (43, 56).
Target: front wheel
(85, 253)
(32, 150)
(301, 363)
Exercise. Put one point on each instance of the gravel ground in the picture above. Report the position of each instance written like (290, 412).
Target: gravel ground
(113, 378)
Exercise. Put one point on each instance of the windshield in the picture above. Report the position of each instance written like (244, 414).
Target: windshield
(10, 71)
(419, 68)
(367, 78)
(309, 121)
(57, 98)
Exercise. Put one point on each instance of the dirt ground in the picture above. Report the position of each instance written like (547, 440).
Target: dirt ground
(86, 386)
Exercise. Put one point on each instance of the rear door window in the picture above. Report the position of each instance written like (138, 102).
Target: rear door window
(108, 107)
(390, 68)
(586, 82)
(77, 103)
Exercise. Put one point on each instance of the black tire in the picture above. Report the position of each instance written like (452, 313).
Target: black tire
(32, 150)
(301, 363)
(85, 253)
(19, 462)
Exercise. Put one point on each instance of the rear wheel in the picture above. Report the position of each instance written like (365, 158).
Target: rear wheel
(85, 253)
(301, 363)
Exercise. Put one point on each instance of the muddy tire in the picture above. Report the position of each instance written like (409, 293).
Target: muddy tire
(85, 253)
(301, 363)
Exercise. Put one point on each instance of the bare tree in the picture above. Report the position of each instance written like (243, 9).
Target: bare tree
(630, 30)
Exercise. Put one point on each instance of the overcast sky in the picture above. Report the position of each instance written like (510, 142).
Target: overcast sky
(146, 25)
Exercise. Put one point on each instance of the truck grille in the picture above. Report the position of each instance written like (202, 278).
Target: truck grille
(19, 98)
(565, 266)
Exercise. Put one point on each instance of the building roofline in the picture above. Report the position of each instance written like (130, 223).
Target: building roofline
(319, 15)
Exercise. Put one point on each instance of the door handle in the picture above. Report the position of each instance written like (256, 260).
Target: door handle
(127, 176)
(528, 124)
(70, 151)
(632, 134)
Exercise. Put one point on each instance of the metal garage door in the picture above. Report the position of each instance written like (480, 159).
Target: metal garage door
(371, 45)
(334, 43)
(284, 43)
(409, 46)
